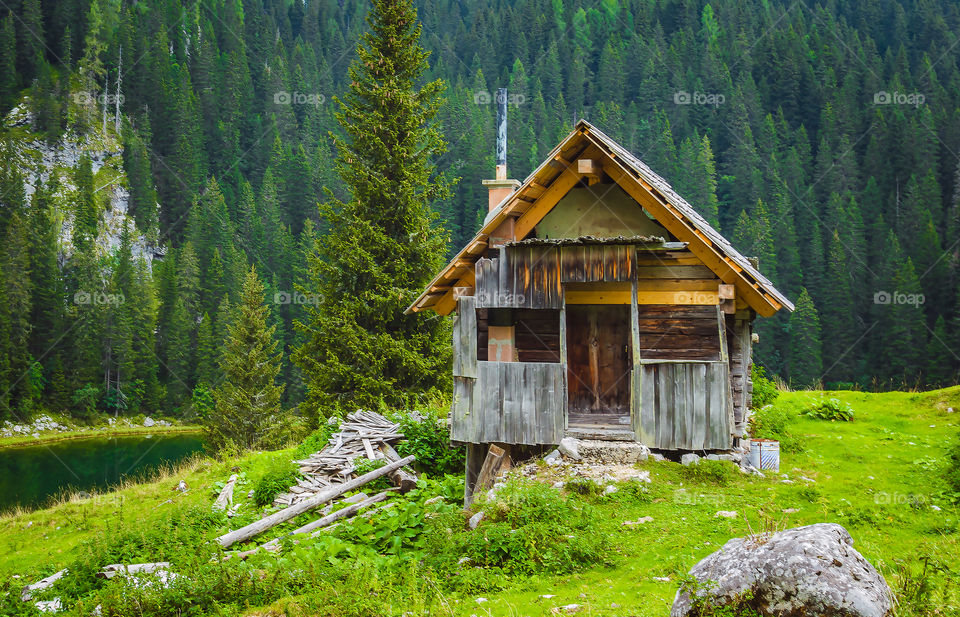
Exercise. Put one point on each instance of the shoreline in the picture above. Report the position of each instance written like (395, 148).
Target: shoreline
(26, 441)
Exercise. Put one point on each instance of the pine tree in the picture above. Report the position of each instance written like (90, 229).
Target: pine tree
(840, 332)
(248, 400)
(939, 357)
(382, 246)
(805, 364)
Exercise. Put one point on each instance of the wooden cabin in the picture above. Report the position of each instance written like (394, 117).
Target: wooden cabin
(595, 302)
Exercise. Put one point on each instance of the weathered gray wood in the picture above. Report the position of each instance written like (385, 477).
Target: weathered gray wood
(490, 467)
(648, 405)
(476, 453)
(462, 413)
(112, 570)
(700, 398)
(320, 498)
(465, 338)
(225, 498)
(27, 593)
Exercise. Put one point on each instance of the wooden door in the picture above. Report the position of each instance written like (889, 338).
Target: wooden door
(598, 361)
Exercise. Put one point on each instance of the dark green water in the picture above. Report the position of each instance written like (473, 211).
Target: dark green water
(32, 476)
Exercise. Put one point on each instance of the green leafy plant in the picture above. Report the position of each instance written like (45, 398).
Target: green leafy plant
(428, 438)
(704, 604)
(274, 482)
(775, 422)
(952, 471)
(582, 486)
(764, 390)
(831, 409)
(706, 471)
(365, 465)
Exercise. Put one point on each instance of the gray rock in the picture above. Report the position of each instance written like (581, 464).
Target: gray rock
(656, 456)
(808, 571)
(553, 458)
(475, 520)
(689, 459)
(610, 489)
(569, 448)
(148, 422)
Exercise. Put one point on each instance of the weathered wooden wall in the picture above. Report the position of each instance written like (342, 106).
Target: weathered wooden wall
(684, 405)
(740, 359)
(465, 338)
(510, 402)
(671, 332)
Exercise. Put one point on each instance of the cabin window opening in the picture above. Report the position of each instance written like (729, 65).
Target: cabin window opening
(527, 335)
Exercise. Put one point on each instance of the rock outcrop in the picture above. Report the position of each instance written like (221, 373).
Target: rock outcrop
(803, 572)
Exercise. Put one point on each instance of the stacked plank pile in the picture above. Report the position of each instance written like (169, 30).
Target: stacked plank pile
(363, 435)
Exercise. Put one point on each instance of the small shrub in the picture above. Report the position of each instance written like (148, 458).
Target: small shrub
(706, 471)
(952, 472)
(316, 440)
(586, 487)
(428, 438)
(831, 409)
(703, 604)
(365, 465)
(773, 422)
(274, 482)
(764, 390)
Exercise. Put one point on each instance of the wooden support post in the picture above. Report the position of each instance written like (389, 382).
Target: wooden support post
(475, 455)
(225, 498)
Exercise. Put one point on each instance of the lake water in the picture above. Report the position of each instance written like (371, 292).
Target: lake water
(32, 476)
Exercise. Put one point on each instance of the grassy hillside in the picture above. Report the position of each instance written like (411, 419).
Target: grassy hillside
(879, 475)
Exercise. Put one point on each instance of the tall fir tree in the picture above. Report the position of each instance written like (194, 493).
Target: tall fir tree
(383, 245)
(805, 364)
(247, 406)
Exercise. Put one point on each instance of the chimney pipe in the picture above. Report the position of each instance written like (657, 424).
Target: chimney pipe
(501, 133)
(500, 187)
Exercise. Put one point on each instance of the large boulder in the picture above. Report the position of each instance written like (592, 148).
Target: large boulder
(803, 572)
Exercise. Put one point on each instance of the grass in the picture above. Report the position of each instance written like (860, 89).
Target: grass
(49, 437)
(878, 475)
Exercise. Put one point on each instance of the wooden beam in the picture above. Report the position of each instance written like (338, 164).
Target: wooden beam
(688, 297)
(666, 215)
(567, 179)
(590, 169)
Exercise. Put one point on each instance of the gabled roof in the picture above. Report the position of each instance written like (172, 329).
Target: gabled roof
(558, 174)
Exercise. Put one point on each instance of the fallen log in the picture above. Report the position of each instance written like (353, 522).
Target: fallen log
(401, 477)
(225, 498)
(40, 585)
(133, 568)
(321, 522)
(320, 498)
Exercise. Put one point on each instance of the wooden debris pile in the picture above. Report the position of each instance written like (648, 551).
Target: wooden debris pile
(363, 435)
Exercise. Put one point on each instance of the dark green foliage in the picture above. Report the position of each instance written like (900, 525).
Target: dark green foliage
(364, 465)
(383, 245)
(830, 409)
(952, 472)
(806, 365)
(764, 390)
(705, 604)
(706, 471)
(428, 438)
(775, 422)
(316, 440)
(276, 481)
(529, 528)
(247, 411)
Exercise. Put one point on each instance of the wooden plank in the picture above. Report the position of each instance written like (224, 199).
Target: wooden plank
(597, 297)
(567, 179)
(674, 272)
(491, 465)
(512, 394)
(681, 297)
(667, 216)
(462, 416)
(476, 453)
(465, 338)
(648, 405)
(678, 284)
(698, 404)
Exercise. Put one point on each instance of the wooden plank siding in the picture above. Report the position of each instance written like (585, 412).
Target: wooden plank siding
(684, 405)
(465, 338)
(510, 402)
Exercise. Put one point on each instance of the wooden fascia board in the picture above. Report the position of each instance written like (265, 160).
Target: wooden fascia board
(567, 179)
(672, 220)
